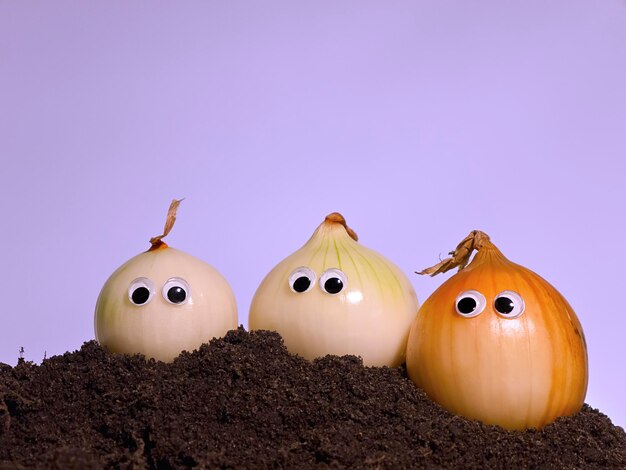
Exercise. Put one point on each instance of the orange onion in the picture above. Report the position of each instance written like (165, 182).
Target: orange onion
(498, 343)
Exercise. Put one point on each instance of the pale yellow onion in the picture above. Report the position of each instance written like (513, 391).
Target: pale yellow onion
(370, 317)
(519, 369)
(159, 329)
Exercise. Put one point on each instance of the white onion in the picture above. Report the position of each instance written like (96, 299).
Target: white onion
(370, 316)
(163, 302)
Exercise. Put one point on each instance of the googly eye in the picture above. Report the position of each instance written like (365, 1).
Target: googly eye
(176, 291)
(470, 303)
(302, 279)
(509, 304)
(333, 281)
(140, 291)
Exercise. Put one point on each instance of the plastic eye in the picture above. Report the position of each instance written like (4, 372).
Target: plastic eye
(509, 304)
(302, 279)
(176, 291)
(141, 291)
(470, 303)
(332, 281)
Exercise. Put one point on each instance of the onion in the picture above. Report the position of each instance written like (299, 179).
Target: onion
(497, 343)
(334, 296)
(163, 302)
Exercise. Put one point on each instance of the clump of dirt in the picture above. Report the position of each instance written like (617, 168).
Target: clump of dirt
(244, 402)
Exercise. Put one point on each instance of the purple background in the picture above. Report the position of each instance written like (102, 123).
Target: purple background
(419, 121)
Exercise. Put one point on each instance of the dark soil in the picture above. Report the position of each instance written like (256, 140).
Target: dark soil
(244, 402)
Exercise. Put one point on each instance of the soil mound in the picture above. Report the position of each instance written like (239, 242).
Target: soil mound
(244, 402)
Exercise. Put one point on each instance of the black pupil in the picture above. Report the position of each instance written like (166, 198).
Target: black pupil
(301, 284)
(466, 305)
(140, 295)
(333, 285)
(504, 305)
(176, 294)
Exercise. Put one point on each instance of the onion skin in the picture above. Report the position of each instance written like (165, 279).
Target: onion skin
(370, 317)
(157, 328)
(517, 373)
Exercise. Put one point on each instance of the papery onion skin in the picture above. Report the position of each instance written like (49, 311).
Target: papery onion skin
(517, 373)
(370, 318)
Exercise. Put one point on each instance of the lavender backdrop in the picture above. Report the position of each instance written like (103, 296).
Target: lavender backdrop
(419, 121)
